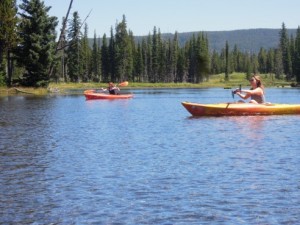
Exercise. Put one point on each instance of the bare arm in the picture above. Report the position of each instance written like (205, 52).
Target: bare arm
(248, 93)
(257, 91)
(245, 96)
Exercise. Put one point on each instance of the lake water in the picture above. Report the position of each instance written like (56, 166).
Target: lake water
(65, 160)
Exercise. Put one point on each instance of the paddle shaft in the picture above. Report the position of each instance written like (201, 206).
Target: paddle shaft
(234, 92)
(122, 84)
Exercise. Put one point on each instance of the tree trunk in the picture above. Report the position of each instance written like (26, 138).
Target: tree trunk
(9, 69)
(60, 36)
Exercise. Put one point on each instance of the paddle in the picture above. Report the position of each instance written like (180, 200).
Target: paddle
(123, 84)
(234, 92)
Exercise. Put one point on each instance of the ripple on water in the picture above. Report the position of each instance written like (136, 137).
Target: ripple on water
(65, 160)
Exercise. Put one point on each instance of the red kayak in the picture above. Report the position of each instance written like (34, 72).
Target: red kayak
(92, 94)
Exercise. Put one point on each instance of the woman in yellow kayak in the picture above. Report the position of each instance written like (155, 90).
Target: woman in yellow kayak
(256, 92)
(112, 89)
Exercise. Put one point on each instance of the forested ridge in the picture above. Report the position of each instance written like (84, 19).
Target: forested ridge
(30, 56)
(247, 40)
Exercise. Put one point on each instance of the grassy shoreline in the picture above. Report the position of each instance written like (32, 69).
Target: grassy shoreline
(215, 81)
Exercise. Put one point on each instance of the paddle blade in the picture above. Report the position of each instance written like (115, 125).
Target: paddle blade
(123, 84)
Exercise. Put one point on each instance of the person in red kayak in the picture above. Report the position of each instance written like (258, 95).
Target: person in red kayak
(112, 89)
(256, 92)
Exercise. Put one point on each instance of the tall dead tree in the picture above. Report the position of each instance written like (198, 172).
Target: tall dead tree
(61, 37)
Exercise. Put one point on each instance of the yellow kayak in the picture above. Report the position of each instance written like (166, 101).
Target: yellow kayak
(240, 109)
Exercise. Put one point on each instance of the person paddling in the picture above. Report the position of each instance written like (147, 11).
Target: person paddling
(256, 92)
(112, 89)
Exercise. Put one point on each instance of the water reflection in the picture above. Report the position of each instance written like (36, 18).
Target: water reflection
(250, 127)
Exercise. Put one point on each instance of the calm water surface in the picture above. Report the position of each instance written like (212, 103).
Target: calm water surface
(65, 160)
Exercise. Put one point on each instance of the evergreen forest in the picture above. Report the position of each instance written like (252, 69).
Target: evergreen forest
(33, 54)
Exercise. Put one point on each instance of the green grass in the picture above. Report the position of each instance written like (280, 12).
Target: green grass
(23, 90)
(235, 79)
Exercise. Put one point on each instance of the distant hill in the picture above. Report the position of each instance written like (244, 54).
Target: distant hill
(250, 40)
(247, 40)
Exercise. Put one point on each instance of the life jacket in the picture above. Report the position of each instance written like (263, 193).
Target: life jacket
(112, 91)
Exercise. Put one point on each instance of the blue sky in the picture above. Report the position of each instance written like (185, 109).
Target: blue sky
(181, 16)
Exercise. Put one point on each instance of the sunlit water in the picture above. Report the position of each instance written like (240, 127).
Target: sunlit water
(65, 160)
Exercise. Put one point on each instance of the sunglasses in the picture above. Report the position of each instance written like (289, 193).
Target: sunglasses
(252, 79)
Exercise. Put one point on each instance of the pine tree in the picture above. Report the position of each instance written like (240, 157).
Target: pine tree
(286, 54)
(191, 57)
(164, 50)
(297, 56)
(131, 50)
(201, 58)
(182, 66)
(74, 49)
(8, 38)
(59, 70)
(149, 58)
(155, 54)
(112, 57)
(270, 61)
(227, 61)
(292, 50)
(215, 63)
(146, 58)
(105, 64)
(175, 56)
(248, 66)
(205, 57)
(85, 56)
(166, 61)
(95, 58)
(278, 65)
(262, 60)
(138, 65)
(123, 52)
(36, 49)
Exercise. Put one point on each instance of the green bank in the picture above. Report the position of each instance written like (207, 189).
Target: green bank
(215, 81)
